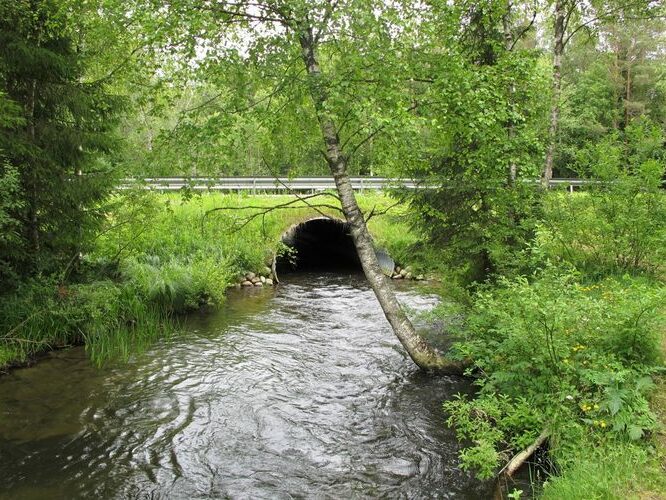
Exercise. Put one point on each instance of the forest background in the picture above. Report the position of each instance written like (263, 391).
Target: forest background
(479, 99)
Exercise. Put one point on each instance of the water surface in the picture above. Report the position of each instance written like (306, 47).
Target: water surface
(301, 391)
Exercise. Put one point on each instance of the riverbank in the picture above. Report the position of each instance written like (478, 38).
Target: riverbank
(586, 334)
(571, 345)
(579, 360)
(621, 470)
(159, 256)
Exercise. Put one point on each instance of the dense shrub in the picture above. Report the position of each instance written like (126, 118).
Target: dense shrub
(559, 354)
(617, 223)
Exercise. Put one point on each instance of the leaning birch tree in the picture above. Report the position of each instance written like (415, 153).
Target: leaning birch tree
(346, 58)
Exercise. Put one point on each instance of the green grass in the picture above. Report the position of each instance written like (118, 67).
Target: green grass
(609, 472)
(110, 318)
(169, 227)
(159, 256)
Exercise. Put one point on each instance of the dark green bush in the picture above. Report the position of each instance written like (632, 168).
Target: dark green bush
(558, 353)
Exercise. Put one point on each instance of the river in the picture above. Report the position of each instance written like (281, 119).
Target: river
(301, 391)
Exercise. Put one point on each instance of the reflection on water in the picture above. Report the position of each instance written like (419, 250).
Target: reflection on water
(298, 391)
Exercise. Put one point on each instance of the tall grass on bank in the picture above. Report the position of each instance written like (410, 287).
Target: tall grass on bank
(171, 228)
(110, 318)
(159, 256)
(609, 471)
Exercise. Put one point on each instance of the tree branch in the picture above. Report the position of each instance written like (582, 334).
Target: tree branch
(372, 134)
(519, 459)
(224, 8)
(605, 15)
(522, 33)
(327, 15)
(120, 66)
(294, 193)
(374, 213)
(290, 205)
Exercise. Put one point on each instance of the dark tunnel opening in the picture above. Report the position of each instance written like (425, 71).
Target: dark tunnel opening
(320, 244)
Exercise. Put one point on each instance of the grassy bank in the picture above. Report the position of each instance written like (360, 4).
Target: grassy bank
(621, 470)
(575, 348)
(158, 256)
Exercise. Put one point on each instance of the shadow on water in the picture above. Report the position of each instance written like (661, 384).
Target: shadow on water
(297, 391)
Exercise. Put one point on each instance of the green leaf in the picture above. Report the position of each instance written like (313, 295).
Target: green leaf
(635, 432)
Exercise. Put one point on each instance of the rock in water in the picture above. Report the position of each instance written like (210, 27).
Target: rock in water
(269, 282)
(246, 283)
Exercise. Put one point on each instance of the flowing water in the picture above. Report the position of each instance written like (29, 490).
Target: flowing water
(301, 391)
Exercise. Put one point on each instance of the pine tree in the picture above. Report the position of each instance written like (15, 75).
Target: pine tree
(54, 144)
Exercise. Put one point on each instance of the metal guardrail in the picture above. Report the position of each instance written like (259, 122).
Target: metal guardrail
(282, 184)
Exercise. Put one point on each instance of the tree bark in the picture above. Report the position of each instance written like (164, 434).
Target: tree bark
(516, 463)
(33, 223)
(32, 192)
(558, 50)
(510, 127)
(626, 91)
(418, 349)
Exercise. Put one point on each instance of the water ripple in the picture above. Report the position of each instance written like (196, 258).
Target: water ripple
(296, 392)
